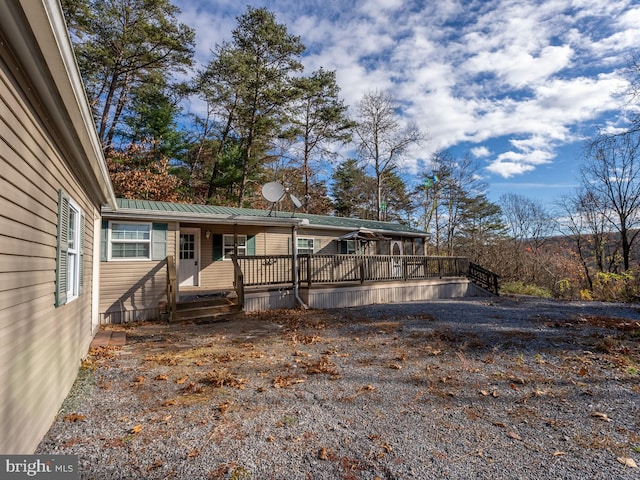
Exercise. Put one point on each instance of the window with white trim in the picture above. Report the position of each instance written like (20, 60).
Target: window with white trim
(73, 247)
(305, 245)
(69, 251)
(227, 246)
(129, 241)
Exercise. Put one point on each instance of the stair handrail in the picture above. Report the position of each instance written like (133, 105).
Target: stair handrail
(485, 278)
(171, 288)
(238, 280)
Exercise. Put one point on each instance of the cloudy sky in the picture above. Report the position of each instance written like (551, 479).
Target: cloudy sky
(517, 84)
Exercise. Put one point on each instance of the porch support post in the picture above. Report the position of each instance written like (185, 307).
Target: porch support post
(235, 239)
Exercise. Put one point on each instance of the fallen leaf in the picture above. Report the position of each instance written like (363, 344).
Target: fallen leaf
(513, 386)
(181, 380)
(583, 371)
(322, 454)
(193, 453)
(485, 393)
(387, 447)
(223, 407)
(136, 429)
(395, 366)
(559, 453)
(495, 394)
(514, 435)
(161, 377)
(139, 380)
(601, 416)
(628, 462)
(74, 417)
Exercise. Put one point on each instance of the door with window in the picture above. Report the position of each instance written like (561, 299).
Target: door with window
(396, 261)
(189, 257)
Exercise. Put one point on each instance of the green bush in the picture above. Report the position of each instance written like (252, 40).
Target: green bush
(615, 287)
(520, 288)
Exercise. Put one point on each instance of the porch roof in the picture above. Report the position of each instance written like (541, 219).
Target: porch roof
(186, 212)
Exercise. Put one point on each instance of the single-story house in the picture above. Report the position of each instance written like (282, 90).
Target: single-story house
(288, 259)
(53, 182)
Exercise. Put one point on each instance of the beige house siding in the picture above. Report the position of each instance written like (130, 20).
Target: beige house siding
(40, 345)
(48, 145)
(133, 289)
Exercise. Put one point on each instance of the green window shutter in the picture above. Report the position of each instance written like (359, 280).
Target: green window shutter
(343, 246)
(81, 257)
(217, 247)
(251, 245)
(159, 241)
(104, 245)
(62, 248)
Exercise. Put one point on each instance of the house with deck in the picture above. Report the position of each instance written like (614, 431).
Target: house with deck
(192, 261)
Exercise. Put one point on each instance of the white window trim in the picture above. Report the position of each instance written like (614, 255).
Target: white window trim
(313, 243)
(240, 247)
(110, 242)
(73, 254)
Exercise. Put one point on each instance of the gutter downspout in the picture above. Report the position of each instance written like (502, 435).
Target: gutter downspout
(296, 279)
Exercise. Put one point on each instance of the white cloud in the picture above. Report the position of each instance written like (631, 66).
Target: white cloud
(480, 152)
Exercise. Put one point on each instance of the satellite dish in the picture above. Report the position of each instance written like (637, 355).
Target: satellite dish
(295, 200)
(273, 191)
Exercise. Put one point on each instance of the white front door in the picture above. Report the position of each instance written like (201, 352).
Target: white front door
(188, 266)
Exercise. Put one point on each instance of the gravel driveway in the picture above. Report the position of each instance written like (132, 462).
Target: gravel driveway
(511, 387)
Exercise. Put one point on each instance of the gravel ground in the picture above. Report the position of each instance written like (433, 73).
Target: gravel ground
(503, 388)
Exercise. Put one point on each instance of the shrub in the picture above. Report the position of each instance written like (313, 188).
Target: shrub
(520, 288)
(615, 287)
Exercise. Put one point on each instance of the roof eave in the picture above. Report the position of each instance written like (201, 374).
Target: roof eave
(137, 214)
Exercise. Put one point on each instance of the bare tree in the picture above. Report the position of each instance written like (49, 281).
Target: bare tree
(382, 138)
(612, 172)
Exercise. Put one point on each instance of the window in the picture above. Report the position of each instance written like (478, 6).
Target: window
(70, 250)
(305, 245)
(227, 246)
(130, 241)
(349, 247)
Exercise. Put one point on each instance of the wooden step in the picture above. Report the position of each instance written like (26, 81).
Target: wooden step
(202, 310)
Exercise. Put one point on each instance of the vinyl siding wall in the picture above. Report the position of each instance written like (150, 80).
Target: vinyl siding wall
(40, 345)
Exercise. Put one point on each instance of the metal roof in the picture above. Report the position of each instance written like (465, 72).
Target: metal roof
(215, 213)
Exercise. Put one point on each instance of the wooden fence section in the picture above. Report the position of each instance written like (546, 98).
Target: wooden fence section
(313, 269)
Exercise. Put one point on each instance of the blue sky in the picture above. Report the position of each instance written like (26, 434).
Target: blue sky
(518, 84)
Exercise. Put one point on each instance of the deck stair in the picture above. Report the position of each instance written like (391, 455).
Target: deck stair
(204, 307)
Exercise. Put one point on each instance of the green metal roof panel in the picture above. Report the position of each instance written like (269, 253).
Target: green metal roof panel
(317, 220)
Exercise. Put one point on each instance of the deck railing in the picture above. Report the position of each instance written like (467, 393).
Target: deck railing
(312, 269)
(483, 277)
